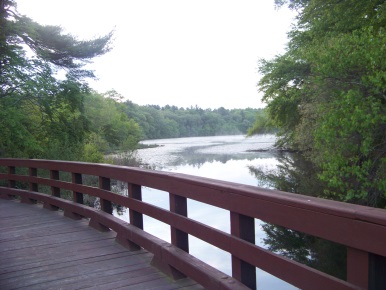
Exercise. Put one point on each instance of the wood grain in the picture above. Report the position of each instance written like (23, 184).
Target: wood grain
(41, 249)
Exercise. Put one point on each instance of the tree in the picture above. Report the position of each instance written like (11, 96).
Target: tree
(41, 115)
(326, 94)
(296, 174)
(261, 124)
(172, 122)
(48, 43)
(109, 126)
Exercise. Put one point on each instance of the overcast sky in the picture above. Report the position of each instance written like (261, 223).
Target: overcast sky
(176, 52)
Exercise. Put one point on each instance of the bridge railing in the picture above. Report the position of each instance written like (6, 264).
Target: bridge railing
(361, 230)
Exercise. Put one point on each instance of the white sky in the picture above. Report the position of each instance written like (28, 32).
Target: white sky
(176, 52)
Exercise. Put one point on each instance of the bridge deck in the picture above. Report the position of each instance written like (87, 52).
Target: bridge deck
(41, 249)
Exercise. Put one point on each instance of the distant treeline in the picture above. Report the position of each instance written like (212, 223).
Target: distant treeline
(172, 122)
(42, 116)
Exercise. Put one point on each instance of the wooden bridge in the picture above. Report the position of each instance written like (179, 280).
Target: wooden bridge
(68, 254)
(43, 250)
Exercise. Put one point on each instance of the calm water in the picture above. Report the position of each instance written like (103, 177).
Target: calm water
(222, 157)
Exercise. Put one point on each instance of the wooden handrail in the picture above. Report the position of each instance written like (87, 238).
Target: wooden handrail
(361, 229)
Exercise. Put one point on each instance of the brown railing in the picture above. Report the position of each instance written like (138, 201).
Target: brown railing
(361, 229)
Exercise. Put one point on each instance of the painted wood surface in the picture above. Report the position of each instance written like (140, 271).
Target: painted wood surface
(362, 230)
(42, 249)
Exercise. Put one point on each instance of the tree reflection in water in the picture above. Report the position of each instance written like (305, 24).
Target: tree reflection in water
(296, 175)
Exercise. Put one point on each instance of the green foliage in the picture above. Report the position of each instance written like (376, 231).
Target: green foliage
(297, 175)
(92, 153)
(320, 254)
(16, 137)
(110, 128)
(42, 116)
(262, 124)
(173, 122)
(326, 94)
(45, 117)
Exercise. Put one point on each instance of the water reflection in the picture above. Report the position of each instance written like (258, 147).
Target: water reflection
(241, 160)
(293, 173)
(197, 151)
(228, 158)
(297, 175)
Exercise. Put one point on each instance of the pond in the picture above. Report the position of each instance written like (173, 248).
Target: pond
(229, 158)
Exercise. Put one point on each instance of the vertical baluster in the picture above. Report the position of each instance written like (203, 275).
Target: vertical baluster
(358, 267)
(33, 172)
(136, 218)
(366, 270)
(11, 170)
(77, 196)
(104, 183)
(178, 204)
(55, 191)
(243, 227)
(11, 183)
(377, 271)
(106, 205)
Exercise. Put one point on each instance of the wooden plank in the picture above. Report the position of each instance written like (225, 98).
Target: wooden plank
(58, 277)
(38, 228)
(37, 266)
(40, 249)
(44, 258)
(179, 284)
(76, 246)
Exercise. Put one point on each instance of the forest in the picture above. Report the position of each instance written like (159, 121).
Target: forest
(171, 122)
(46, 115)
(327, 95)
(325, 99)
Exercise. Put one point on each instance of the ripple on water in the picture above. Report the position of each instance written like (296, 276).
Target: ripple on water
(169, 150)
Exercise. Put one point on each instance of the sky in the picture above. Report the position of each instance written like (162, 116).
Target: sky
(185, 53)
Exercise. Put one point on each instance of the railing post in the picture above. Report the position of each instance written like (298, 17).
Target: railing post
(243, 227)
(77, 196)
(11, 170)
(55, 191)
(11, 183)
(178, 204)
(358, 267)
(33, 172)
(104, 183)
(366, 270)
(106, 205)
(377, 271)
(136, 218)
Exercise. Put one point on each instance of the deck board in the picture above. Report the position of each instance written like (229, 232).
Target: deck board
(42, 249)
